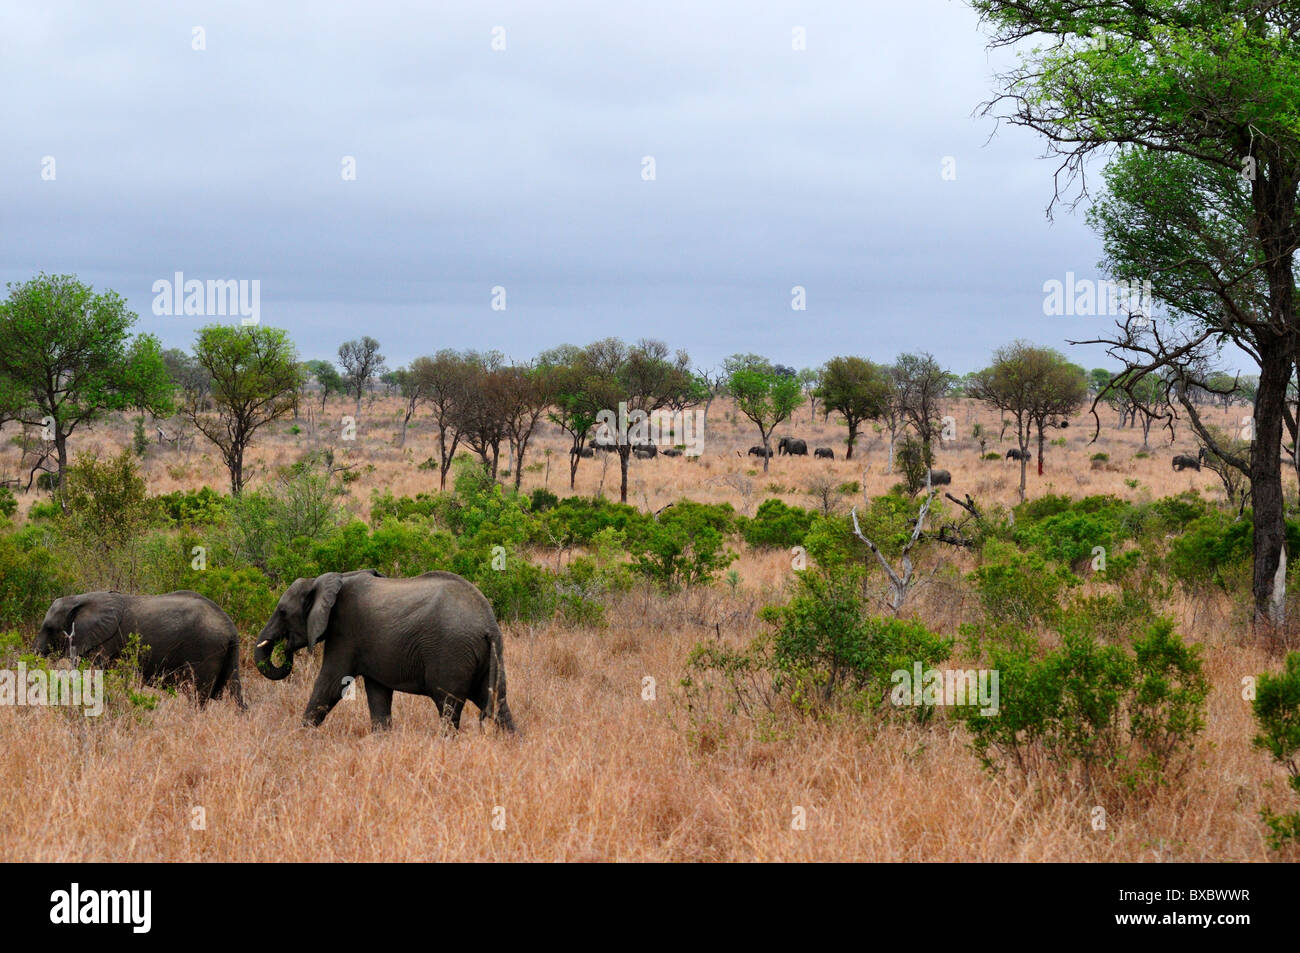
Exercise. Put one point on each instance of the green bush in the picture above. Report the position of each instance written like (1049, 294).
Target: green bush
(201, 507)
(1067, 532)
(44, 511)
(31, 577)
(246, 594)
(1100, 457)
(579, 520)
(825, 643)
(384, 506)
(271, 528)
(1277, 712)
(1018, 588)
(542, 498)
(8, 502)
(395, 548)
(776, 525)
(685, 545)
(1095, 712)
(519, 591)
(106, 501)
(992, 455)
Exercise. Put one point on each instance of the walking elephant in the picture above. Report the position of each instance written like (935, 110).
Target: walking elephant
(432, 635)
(792, 446)
(186, 637)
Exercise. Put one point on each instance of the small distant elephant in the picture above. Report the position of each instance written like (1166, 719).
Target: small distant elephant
(586, 453)
(645, 451)
(672, 452)
(1183, 462)
(757, 451)
(825, 453)
(940, 477)
(188, 637)
(1016, 453)
(432, 635)
(792, 446)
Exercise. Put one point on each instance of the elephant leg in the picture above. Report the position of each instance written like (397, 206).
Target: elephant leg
(325, 694)
(380, 699)
(450, 708)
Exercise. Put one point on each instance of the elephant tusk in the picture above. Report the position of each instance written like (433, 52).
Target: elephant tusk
(264, 643)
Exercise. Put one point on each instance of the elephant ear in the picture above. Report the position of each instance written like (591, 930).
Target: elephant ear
(92, 620)
(322, 595)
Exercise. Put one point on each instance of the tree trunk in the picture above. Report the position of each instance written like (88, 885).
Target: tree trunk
(1040, 449)
(853, 436)
(61, 445)
(1269, 582)
(624, 451)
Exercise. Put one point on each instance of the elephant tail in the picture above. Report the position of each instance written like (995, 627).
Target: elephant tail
(497, 708)
(229, 676)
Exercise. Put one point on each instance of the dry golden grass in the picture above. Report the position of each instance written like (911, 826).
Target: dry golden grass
(598, 773)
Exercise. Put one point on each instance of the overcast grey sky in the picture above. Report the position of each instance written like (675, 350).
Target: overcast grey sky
(523, 168)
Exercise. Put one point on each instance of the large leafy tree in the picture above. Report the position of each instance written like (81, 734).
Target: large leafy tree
(67, 357)
(765, 396)
(857, 390)
(255, 380)
(1199, 106)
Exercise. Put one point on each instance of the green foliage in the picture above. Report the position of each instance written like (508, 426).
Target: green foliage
(385, 506)
(272, 528)
(1107, 714)
(8, 502)
(825, 643)
(1216, 550)
(56, 328)
(992, 455)
(578, 520)
(913, 460)
(1068, 537)
(139, 437)
(107, 501)
(394, 548)
(31, 576)
(685, 546)
(1100, 457)
(1277, 713)
(247, 594)
(542, 498)
(776, 525)
(1018, 588)
(44, 512)
(201, 507)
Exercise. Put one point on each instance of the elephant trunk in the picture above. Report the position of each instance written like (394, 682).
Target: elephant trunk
(262, 658)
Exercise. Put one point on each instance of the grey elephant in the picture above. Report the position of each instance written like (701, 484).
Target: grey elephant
(186, 637)
(792, 446)
(432, 635)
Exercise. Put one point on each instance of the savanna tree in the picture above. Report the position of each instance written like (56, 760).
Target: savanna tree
(765, 397)
(67, 357)
(857, 390)
(362, 364)
(255, 380)
(1195, 103)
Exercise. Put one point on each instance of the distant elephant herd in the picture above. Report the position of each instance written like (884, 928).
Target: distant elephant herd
(433, 635)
